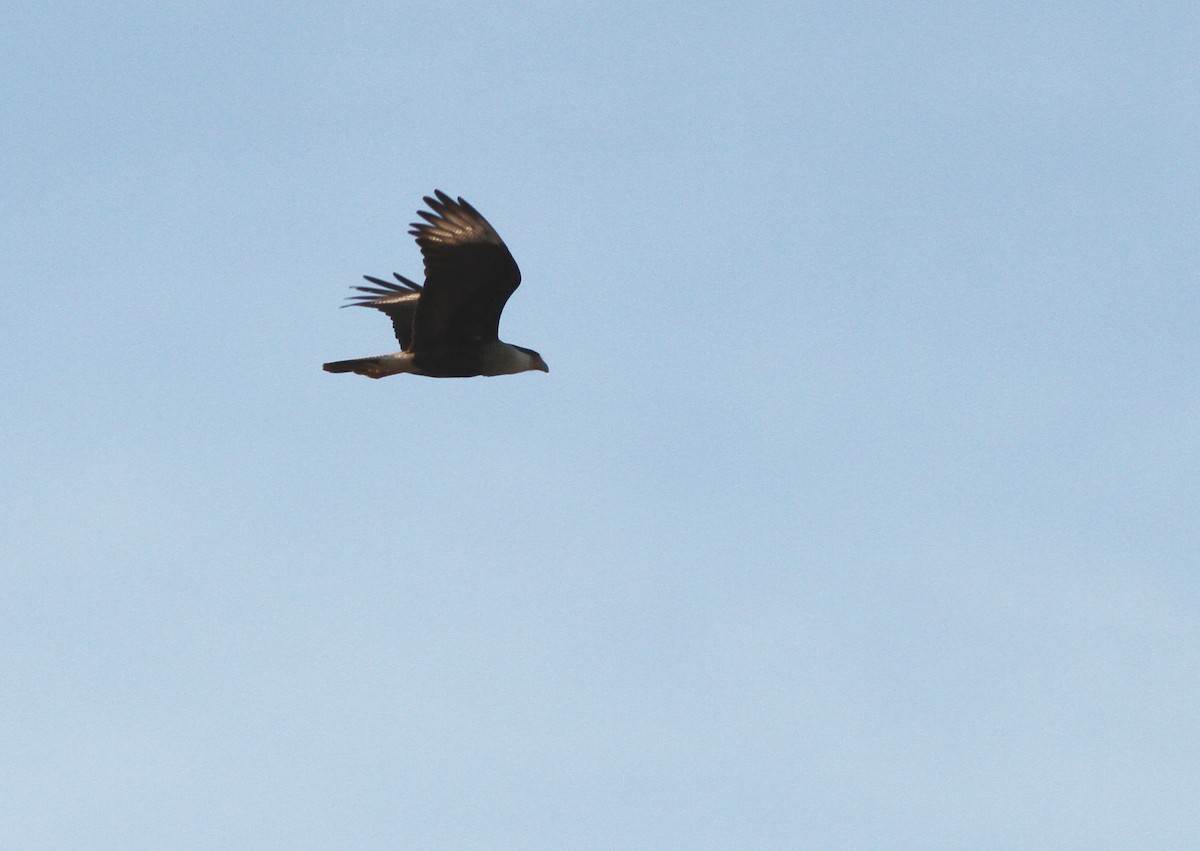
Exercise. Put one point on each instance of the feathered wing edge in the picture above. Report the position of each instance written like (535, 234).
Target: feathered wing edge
(452, 221)
(384, 292)
(399, 302)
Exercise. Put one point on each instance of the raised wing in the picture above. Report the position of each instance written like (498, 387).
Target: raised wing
(399, 302)
(469, 275)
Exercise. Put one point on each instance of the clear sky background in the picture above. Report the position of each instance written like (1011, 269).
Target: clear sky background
(860, 507)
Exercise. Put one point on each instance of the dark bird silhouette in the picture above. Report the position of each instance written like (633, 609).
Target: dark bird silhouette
(449, 327)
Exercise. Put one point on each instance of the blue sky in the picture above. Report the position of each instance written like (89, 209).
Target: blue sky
(859, 507)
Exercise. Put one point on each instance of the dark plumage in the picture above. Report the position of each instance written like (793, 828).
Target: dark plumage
(448, 327)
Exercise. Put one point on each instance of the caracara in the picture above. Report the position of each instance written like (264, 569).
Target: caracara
(449, 327)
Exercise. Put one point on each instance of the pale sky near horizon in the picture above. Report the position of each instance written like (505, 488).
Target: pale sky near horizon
(859, 507)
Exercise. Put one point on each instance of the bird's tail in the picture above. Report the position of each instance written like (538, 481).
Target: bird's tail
(370, 367)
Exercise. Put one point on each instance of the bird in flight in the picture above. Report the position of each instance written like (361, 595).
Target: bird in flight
(449, 327)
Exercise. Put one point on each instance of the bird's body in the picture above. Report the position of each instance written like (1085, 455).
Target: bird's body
(448, 328)
(494, 358)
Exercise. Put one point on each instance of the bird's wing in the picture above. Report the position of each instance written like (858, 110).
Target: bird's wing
(469, 275)
(399, 302)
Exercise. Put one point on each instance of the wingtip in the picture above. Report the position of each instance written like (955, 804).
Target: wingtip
(438, 201)
(406, 284)
(442, 204)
